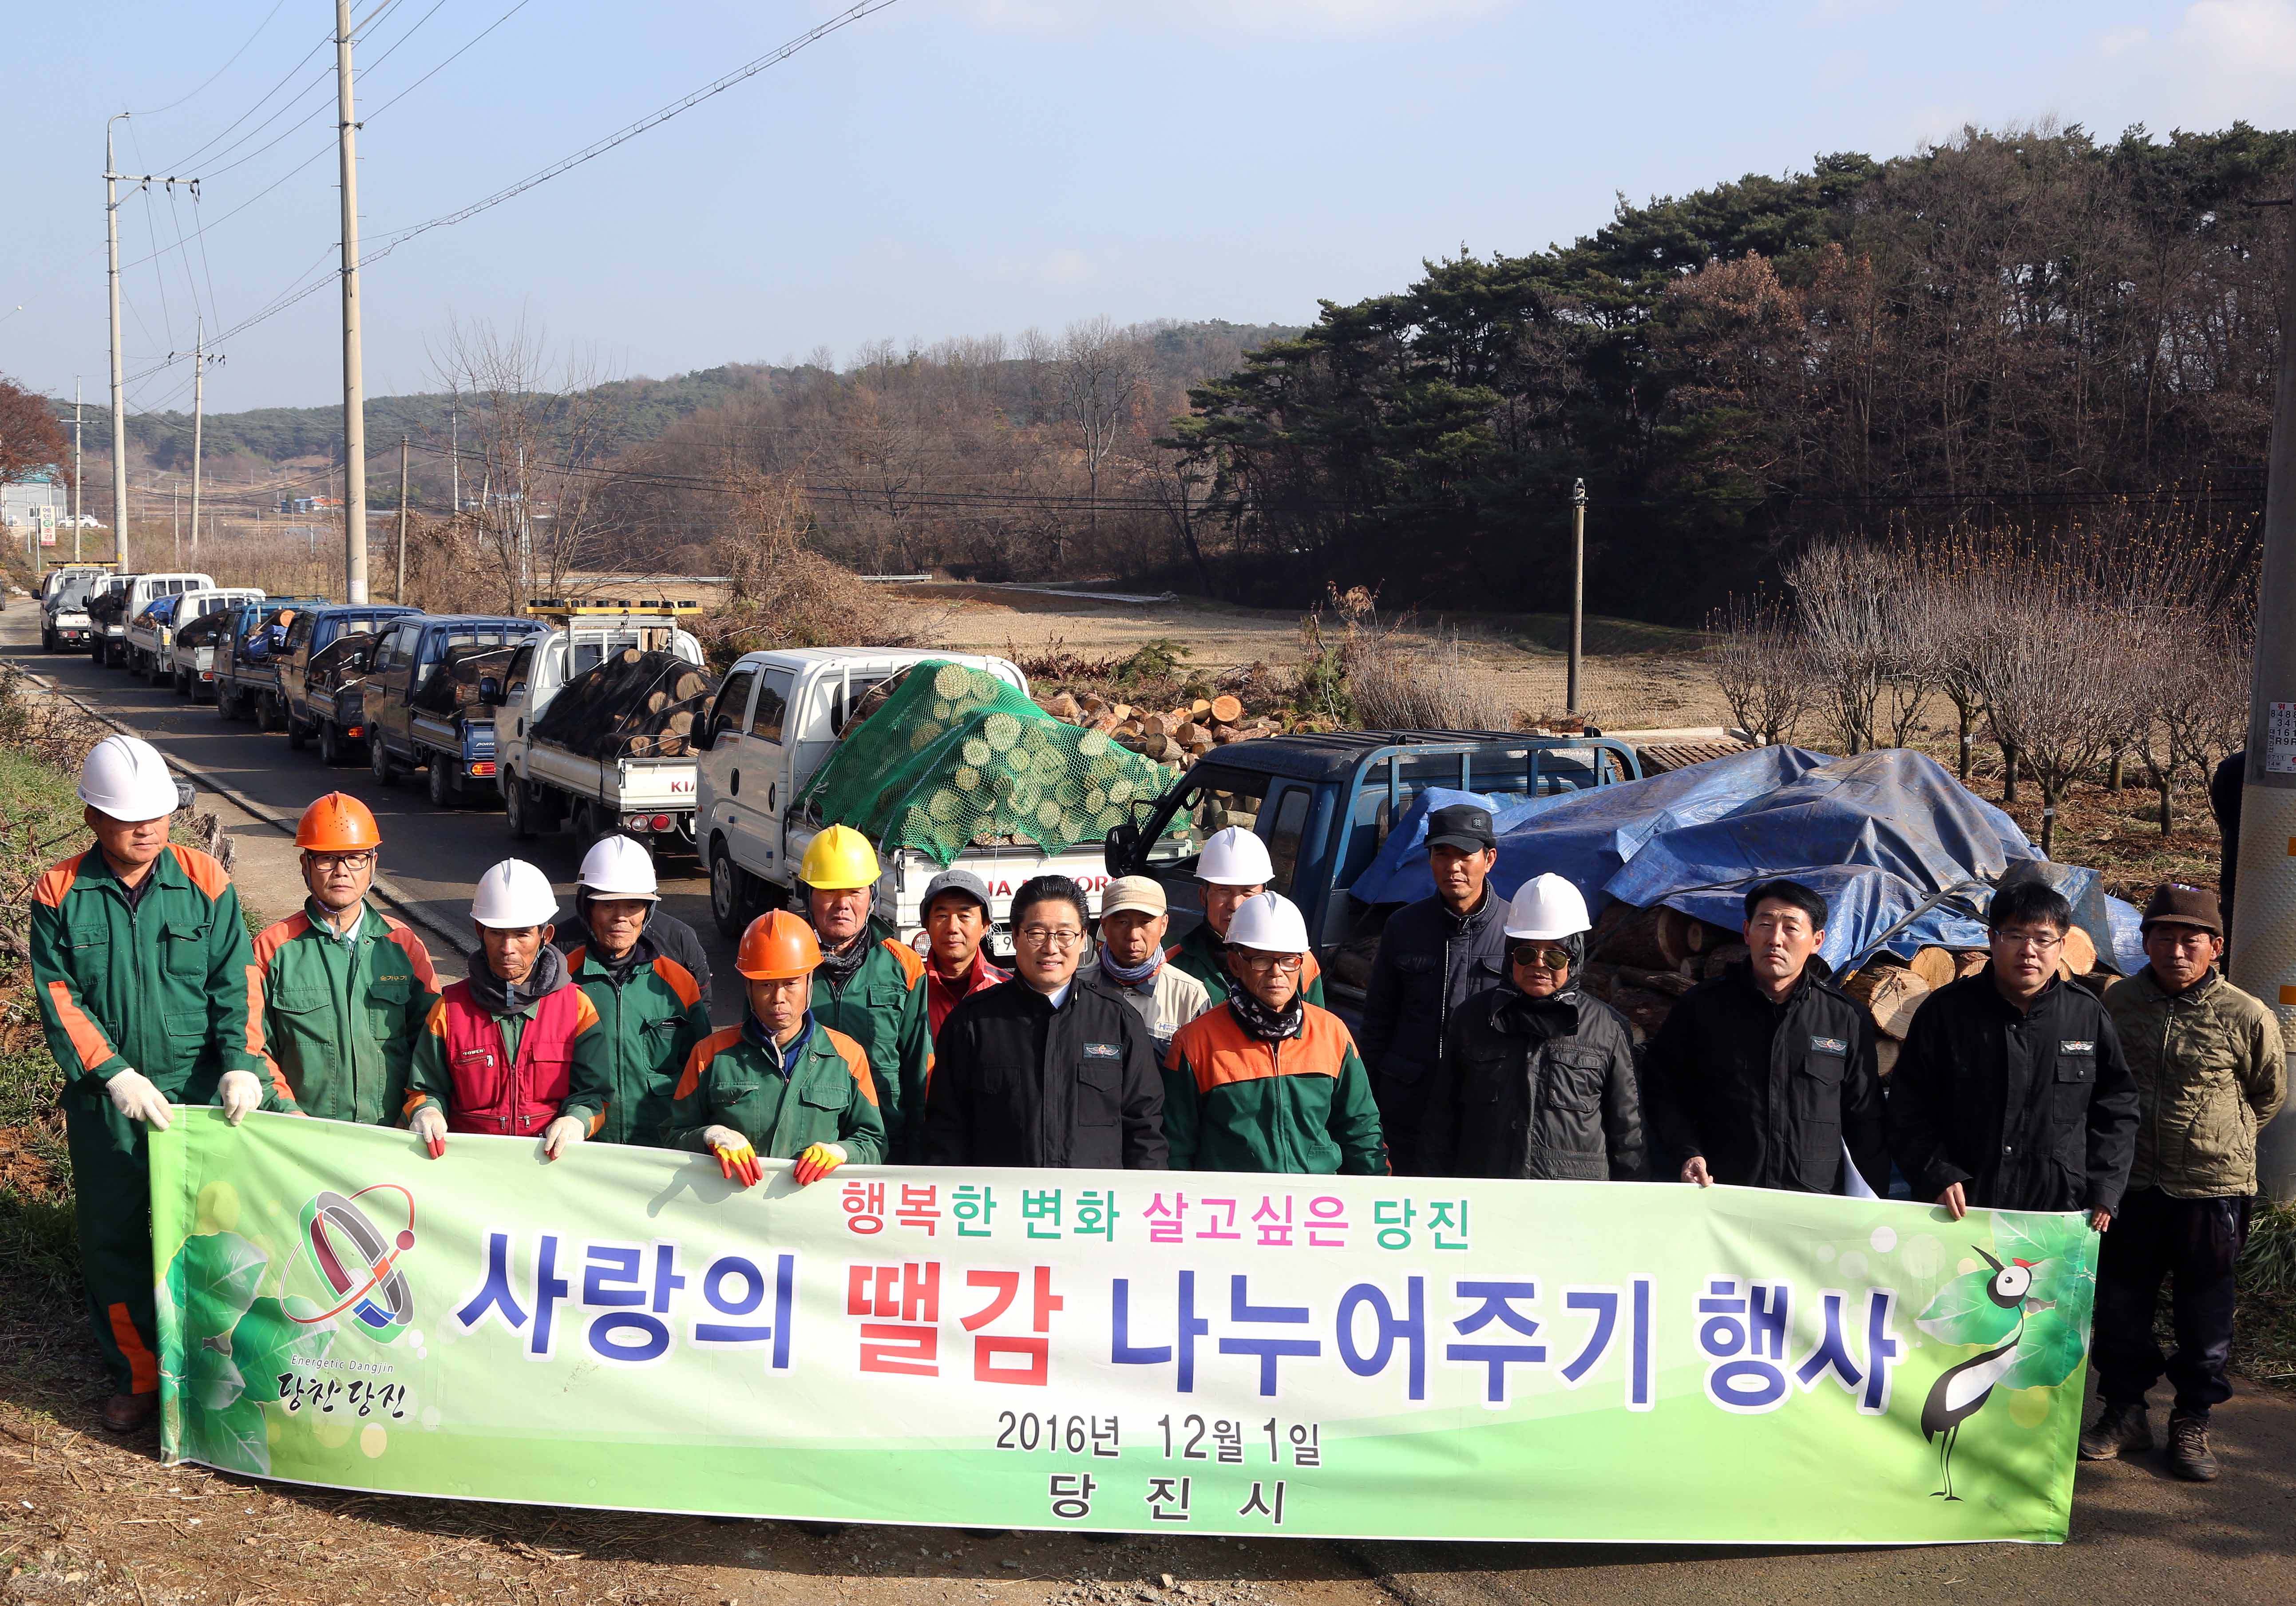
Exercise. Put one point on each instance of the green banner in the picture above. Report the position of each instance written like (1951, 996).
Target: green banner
(1408, 1358)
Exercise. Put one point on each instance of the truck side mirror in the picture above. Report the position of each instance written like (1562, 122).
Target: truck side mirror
(1121, 851)
(490, 692)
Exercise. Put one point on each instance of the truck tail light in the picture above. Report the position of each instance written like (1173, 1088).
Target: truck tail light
(484, 767)
(353, 732)
(661, 821)
(634, 821)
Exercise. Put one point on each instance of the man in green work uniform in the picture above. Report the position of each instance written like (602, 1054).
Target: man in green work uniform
(149, 995)
(346, 989)
(650, 1004)
(1233, 867)
(870, 986)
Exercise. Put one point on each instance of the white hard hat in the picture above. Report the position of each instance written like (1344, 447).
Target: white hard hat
(512, 894)
(1270, 922)
(1546, 907)
(126, 778)
(619, 866)
(1234, 857)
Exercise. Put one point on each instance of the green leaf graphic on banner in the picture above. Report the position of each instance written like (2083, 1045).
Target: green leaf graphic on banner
(211, 1380)
(213, 1280)
(2048, 1351)
(2040, 1238)
(266, 1342)
(234, 1439)
(1964, 1313)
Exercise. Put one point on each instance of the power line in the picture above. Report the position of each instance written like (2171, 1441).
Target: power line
(219, 71)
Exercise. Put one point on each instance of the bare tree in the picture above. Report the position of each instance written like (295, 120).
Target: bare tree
(1841, 592)
(1102, 371)
(1762, 670)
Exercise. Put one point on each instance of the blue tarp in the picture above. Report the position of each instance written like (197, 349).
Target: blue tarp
(1903, 853)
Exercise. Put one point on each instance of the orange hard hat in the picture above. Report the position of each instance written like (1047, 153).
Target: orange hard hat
(777, 947)
(338, 823)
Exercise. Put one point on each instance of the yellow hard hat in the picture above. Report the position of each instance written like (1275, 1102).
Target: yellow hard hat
(839, 858)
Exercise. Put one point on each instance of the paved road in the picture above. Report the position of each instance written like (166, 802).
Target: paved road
(2138, 1536)
(434, 857)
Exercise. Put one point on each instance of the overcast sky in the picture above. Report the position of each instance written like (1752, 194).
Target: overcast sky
(958, 166)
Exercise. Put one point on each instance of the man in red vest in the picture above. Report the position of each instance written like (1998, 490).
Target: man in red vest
(516, 1049)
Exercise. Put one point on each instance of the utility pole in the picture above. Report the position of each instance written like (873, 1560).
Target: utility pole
(112, 180)
(525, 534)
(76, 496)
(398, 594)
(176, 517)
(198, 401)
(353, 382)
(2264, 934)
(1578, 590)
(454, 452)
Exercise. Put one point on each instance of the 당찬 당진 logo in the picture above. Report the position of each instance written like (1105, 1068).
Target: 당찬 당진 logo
(358, 1260)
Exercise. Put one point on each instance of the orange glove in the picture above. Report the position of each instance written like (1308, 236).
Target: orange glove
(736, 1156)
(818, 1162)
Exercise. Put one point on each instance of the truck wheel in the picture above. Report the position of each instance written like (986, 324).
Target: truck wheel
(730, 895)
(330, 745)
(514, 806)
(298, 735)
(378, 759)
(47, 640)
(444, 793)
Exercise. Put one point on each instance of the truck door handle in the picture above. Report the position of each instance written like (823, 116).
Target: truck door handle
(734, 784)
(769, 798)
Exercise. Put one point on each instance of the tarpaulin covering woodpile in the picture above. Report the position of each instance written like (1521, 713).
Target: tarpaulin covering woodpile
(345, 657)
(454, 685)
(951, 754)
(635, 704)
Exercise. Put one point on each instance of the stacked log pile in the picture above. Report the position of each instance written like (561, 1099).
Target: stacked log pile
(345, 658)
(1180, 734)
(1640, 961)
(637, 705)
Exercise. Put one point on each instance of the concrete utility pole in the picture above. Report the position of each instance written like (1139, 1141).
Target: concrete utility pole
(76, 498)
(353, 382)
(398, 592)
(199, 404)
(176, 520)
(455, 454)
(2264, 907)
(1578, 590)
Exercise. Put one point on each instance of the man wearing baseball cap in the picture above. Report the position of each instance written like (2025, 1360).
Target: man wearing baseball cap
(2206, 1060)
(956, 925)
(150, 994)
(1433, 956)
(1134, 915)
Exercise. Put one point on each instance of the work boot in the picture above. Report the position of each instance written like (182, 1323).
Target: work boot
(2188, 1447)
(126, 1412)
(2118, 1427)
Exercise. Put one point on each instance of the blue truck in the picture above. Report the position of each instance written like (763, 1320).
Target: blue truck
(429, 695)
(1323, 804)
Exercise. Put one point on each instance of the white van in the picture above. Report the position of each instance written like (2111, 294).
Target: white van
(112, 648)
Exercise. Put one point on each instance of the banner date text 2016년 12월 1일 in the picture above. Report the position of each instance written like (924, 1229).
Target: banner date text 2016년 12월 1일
(1209, 1351)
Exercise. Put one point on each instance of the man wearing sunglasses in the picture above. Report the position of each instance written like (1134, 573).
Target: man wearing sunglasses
(346, 989)
(1536, 1079)
(1050, 1068)
(1763, 1076)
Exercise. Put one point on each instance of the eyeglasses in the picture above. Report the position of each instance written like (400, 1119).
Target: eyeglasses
(2041, 941)
(343, 861)
(1262, 964)
(1533, 954)
(1063, 938)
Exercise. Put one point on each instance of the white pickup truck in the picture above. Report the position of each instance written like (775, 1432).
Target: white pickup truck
(152, 639)
(546, 783)
(776, 718)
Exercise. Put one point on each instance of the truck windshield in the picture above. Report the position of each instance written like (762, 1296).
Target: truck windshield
(1205, 807)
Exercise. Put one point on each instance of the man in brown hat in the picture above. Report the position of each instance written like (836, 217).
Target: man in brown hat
(2206, 1060)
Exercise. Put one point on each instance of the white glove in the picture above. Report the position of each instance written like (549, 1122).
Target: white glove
(134, 1097)
(430, 1124)
(724, 1137)
(563, 1133)
(239, 1093)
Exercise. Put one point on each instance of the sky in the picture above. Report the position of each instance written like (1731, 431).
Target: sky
(950, 168)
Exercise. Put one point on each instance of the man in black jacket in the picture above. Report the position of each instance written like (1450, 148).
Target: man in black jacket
(1433, 956)
(1761, 1077)
(1049, 1068)
(1538, 1079)
(2011, 1093)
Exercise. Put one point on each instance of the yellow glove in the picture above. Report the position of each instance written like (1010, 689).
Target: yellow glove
(818, 1162)
(737, 1157)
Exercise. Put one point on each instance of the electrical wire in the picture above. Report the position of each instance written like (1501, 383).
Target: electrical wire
(219, 71)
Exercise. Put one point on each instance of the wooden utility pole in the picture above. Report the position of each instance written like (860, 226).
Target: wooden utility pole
(353, 382)
(398, 594)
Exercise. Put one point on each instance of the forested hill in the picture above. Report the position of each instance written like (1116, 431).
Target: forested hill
(2027, 326)
(626, 412)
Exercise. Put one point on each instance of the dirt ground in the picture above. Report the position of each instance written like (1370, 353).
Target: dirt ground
(1637, 675)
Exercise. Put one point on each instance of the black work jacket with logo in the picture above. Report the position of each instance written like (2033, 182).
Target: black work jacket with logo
(1769, 1094)
(2031, 1110)
(1016, 1082)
